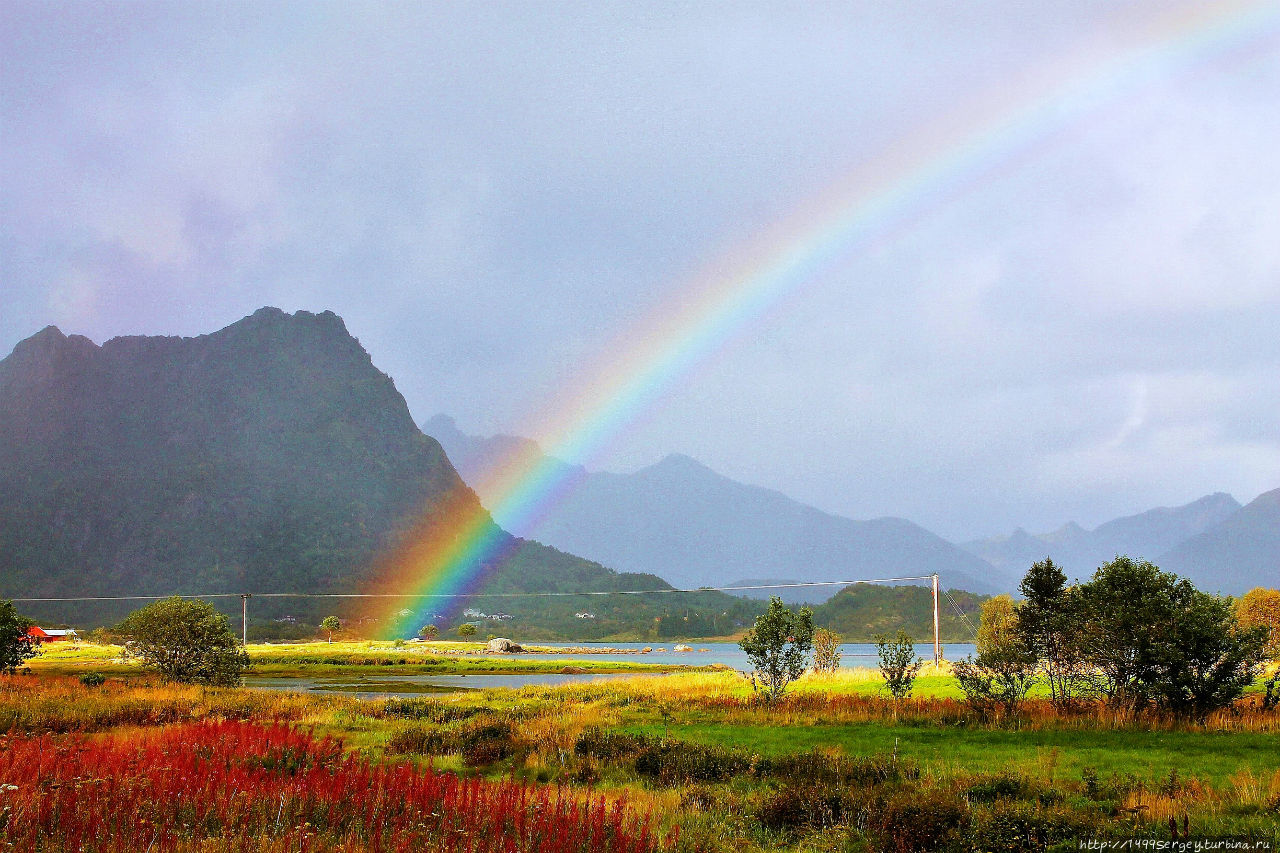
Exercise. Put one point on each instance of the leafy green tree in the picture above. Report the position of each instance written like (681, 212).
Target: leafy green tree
(899, 663)
(1129, 610)
(1049, 619)
(329, 625)
(428, 632)
(15, 646)
(1156, 640)
(466, 629)
(186, 640)
(1206, 659)
(826, 650)
(778, 647)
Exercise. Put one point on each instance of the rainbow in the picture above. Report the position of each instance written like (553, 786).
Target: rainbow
(882, 198)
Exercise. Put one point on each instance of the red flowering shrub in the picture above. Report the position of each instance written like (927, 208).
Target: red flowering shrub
(234, 786)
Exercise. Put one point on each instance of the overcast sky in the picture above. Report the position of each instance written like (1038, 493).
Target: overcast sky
(1084, 324)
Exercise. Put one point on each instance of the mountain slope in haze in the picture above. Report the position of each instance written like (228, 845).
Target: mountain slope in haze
(1079, 551)
(687, 524)
(1235, 555)
(270, 456)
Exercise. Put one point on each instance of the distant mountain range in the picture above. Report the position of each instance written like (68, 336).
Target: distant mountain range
(687, 524)
(270, 456)
(1218, 544)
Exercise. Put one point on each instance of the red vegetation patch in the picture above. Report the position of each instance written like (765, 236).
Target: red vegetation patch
(233, 786)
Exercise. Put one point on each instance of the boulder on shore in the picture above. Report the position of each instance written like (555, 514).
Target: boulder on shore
(503, 646)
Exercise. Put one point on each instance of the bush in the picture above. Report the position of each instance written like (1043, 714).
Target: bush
(92, 679)
(416, 740)
(674, 762)
(990, 788)
(917, 821)
(1018, 827)
(898, 663)
(487, 743)
(186, 640)
(826, 651)
(808, 807)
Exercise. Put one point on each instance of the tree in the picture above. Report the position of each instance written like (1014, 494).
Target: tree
(329, 625)
(998, 627)
(466, 629)
(15, 645)
(826, 650)
(1158, 641)
(428, 632)
(899, 663)
(1049, 619)
(1006, 666)
(1129, 608)
(778, 646)
(1260, 607)
(186, 640)
(1206, 659)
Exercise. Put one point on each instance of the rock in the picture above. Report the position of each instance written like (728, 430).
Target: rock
(503, 646)
(682, 648)
(573, 670)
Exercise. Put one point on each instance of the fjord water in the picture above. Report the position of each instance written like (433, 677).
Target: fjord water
(853, 656)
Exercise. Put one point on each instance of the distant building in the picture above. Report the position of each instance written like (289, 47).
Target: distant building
(585, 615)
(501, 617)
(51, 635)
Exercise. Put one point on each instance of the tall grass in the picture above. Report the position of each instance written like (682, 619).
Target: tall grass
(63, 704)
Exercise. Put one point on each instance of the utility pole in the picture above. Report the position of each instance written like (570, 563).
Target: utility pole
(937, 643)
(244, 616)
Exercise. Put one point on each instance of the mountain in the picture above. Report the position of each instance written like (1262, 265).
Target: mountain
(687, 524)
(1079, 551)
(1235, 555)
(268, 457)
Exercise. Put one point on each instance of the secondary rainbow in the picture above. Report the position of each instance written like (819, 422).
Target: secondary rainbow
(880, 200)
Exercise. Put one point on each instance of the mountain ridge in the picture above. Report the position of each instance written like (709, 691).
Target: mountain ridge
(692, 526)
(1156, 535)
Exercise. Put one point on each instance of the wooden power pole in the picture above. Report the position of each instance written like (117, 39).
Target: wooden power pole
(244, 615)
(937, 642)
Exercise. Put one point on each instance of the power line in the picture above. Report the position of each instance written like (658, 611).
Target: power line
(964, 616)
(668, 590)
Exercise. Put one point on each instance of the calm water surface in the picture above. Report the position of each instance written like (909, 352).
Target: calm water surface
(852, 655)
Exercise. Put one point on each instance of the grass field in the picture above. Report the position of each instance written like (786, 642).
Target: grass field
(683, 762)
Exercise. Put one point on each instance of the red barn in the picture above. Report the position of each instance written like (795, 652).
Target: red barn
(50, 635)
